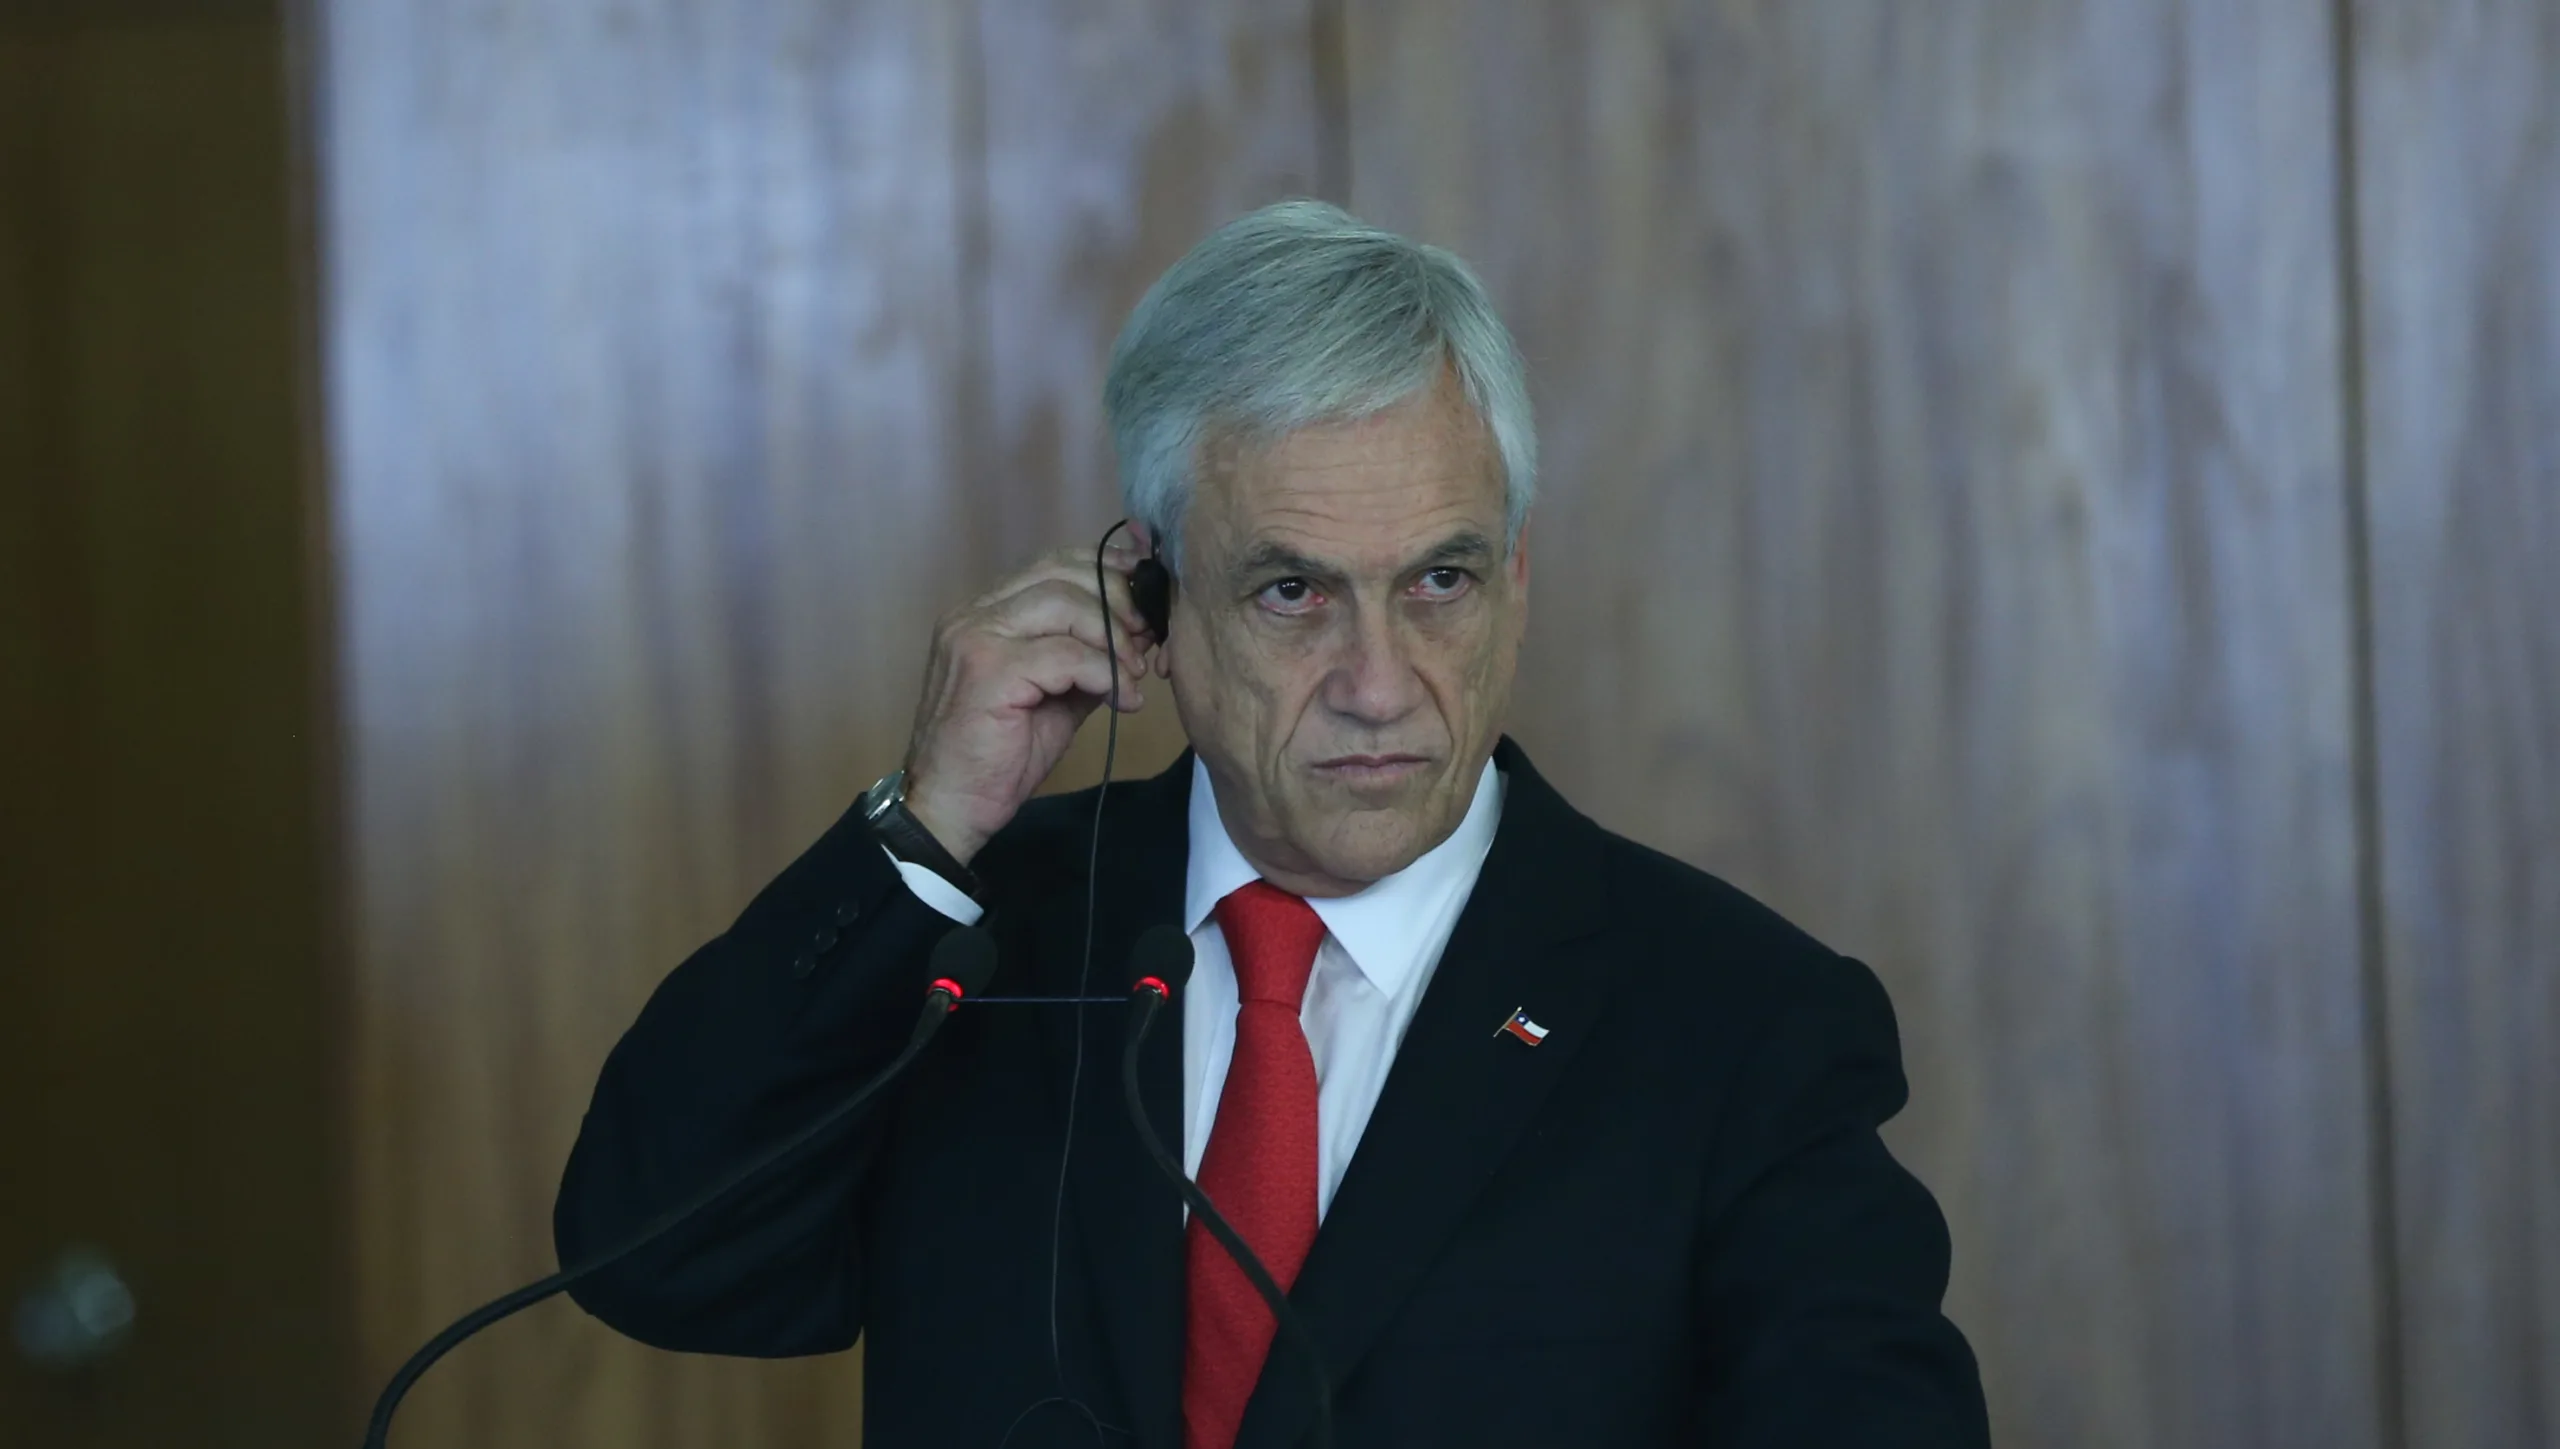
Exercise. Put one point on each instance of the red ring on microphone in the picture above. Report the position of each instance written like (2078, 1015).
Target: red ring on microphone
(950, 988)
(1154, 984)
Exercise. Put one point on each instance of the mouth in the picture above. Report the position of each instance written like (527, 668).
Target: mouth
(1359, 770)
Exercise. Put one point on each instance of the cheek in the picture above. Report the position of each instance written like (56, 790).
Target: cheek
(1253, 688)
(1470, 655)
(1286, 679)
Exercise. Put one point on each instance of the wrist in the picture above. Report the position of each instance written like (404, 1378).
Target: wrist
(888, 808)
(949, 830)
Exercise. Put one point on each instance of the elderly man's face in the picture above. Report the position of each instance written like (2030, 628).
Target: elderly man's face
(1345, 637)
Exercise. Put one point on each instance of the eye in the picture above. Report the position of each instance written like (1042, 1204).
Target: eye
(1289, 596)
(1446, 582)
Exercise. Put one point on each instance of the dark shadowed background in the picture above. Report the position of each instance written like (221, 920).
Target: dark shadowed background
(2062, 497)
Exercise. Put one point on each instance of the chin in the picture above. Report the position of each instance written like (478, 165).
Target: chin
(1375, 847)
(1357, 832)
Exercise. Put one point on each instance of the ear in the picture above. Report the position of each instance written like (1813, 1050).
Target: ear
(1518, 563)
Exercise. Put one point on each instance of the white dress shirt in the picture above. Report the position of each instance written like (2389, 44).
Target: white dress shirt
(1380, 949)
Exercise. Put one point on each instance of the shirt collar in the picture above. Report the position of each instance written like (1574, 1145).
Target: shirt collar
(1384, 927)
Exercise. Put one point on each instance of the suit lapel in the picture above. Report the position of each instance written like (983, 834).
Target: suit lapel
(1460, 1092)
(1128, 1219)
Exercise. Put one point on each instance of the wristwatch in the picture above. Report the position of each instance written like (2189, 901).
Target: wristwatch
(884, 808)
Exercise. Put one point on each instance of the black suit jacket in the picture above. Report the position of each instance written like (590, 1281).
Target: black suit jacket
(1671, 1223)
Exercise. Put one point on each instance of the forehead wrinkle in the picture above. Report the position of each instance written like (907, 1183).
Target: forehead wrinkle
(1357, 490)
(1406, 456)
(1436, 421)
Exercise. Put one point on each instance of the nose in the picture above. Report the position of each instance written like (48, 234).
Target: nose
(1373, 681)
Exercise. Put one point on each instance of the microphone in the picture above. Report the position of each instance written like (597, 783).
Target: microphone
(1161, 962)
(1160, 965)
(963, 961)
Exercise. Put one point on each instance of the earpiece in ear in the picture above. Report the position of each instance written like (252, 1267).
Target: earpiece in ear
(1151, 589)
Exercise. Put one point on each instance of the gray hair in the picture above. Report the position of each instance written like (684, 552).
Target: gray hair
(1294, 315)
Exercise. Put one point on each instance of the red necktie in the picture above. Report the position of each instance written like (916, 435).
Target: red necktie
(1260, 1166)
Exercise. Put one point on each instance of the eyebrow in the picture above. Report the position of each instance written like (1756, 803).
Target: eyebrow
(1267, 557)
(1465, 546)
(1270, 557)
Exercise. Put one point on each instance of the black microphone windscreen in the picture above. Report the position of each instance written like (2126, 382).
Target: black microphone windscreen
(1164, 953)
(967, 955)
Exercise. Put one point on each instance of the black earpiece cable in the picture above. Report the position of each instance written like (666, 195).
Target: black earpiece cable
(1084, 972)
(1084, 989)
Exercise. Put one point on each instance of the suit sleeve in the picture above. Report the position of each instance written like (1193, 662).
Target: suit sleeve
(762, 1030)
(1821, 1277)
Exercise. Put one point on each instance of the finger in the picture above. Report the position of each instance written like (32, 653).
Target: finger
(1061, 606)
(1052, 606)
(1059, 665)
(1070, 565)
(1061, 563)
(1124, 603)
(1127, 640)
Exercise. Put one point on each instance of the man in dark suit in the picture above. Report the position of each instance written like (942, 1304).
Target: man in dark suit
(1551, 1140)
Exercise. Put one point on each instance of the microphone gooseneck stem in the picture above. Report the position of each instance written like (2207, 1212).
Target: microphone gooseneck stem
(1293, 1328)
(378, 1431)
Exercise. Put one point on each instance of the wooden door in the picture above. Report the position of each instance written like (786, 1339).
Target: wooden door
(167, 1064)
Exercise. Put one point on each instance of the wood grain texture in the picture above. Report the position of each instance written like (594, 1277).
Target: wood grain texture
(1943, 539)
(685, 364)
(645, 336)
(2458, 148)
(1116, 136)
(167, 1051)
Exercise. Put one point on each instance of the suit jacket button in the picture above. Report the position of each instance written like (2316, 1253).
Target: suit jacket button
(803, 964)
(847, 912)
(825, 940)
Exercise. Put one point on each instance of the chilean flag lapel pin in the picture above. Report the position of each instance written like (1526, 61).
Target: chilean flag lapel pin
(1520, 1026)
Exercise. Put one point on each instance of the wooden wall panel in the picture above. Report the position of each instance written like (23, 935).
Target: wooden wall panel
(645, 335)
(2458, 149)
(1943, 539)
(685, 362)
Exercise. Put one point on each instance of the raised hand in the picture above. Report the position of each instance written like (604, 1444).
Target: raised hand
(1012, 674)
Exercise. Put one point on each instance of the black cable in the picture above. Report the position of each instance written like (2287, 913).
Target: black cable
(1084, 988)
(378, 1431)
(1084, 972)
(1292, 1327)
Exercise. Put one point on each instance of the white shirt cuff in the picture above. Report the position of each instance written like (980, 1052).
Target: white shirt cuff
(936, 892)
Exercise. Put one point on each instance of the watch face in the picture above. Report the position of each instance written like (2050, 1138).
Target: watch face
(882, 794)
